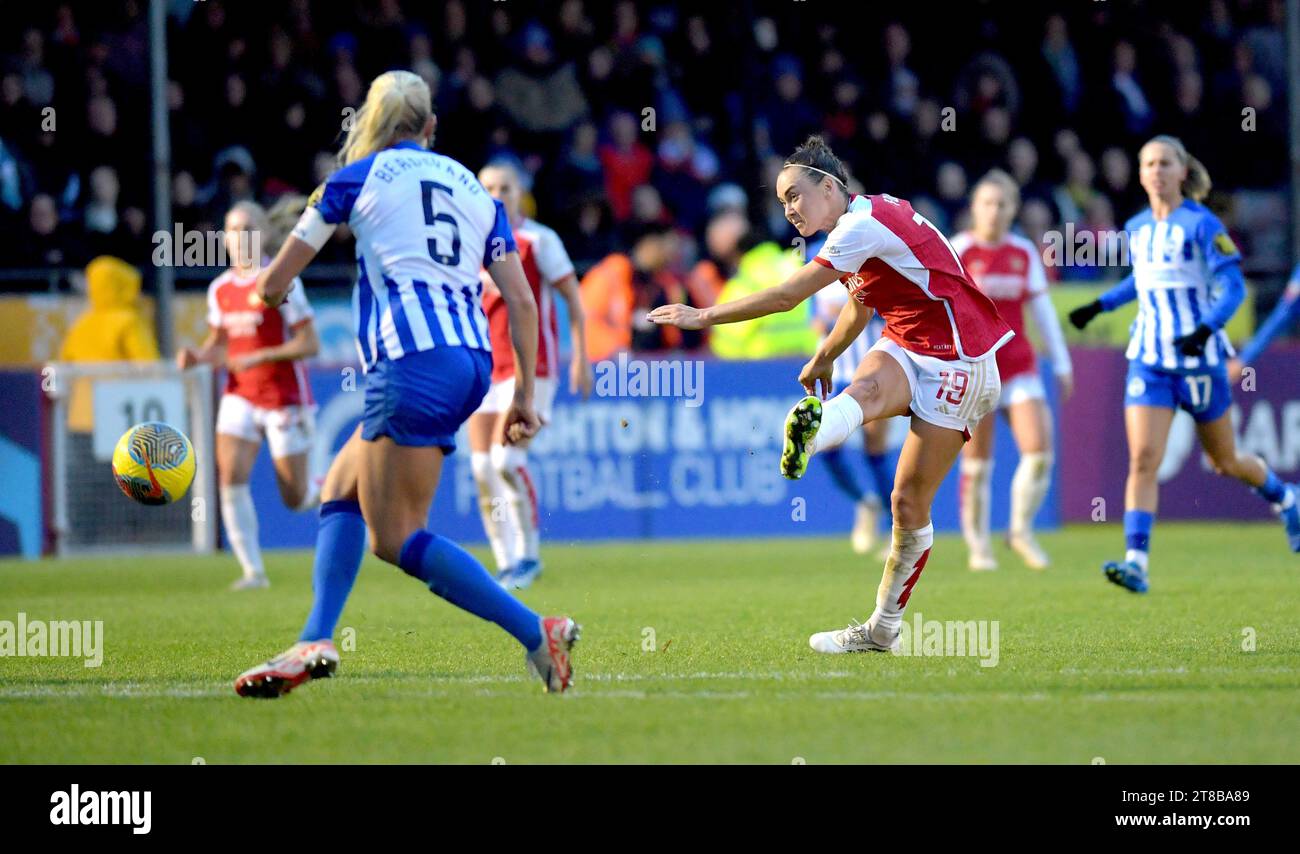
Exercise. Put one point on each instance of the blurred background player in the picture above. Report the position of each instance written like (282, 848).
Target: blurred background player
(934, 361)
(1009, 270)
(1187, 280)
(424, 229)
(266, 393)
(869, 504)
(1285, 313)
(507, 496)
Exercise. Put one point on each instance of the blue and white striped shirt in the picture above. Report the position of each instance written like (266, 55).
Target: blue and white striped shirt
(1175, 264)
(424, 228)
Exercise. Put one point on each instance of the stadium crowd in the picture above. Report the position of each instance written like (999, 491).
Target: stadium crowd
(650, 132)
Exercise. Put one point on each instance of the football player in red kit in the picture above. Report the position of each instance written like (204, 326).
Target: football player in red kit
(266, 387)
(935, 360)
(1008, 269)
(508, 501)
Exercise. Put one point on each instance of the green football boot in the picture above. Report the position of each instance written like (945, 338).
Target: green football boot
(801, 426)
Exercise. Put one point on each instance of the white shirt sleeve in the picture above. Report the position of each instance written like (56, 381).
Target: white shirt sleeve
(854, 240)
(1037, 272)
(312, 228)
(214, 310)
(296, 308)
(552, 259)
(1049, 325)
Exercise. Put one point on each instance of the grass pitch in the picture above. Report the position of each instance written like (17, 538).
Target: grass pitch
(691, 652)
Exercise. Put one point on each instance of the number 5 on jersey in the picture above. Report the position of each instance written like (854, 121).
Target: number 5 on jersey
(432, 218)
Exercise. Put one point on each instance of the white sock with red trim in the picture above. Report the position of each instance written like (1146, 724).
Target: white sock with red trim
(841, 415)
(494, 508)
(240, 519)
(976, 498)
(907, 557)
(511, 464)
(1028, 489)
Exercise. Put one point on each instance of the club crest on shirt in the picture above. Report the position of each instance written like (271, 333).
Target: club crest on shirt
(314, 199)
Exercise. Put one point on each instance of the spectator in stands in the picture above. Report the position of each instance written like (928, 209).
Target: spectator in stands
(685, 170)
(1117, 180)
(785, 334)
(540, 93)
(1059, 54)
(1035, 222)
(113, 328)
(726, 238)
(275, 86)
(45, 242)
(788, 115)
(1074, 194)
(1128, 94)
(608, 301)
(1022, 163)
(627, 164)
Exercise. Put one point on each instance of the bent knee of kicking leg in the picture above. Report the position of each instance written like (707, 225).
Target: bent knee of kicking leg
(869, 395)
(909, 509)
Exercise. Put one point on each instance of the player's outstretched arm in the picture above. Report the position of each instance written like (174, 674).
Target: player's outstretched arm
(1284, 314)
(810, 279)
(1124, 292)
(521, 310)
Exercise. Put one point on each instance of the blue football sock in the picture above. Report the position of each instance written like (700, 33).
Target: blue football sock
(842, 474)
(1137, 535)
(457, 576)
(1273, 490)
(882, 475)
(340, 545)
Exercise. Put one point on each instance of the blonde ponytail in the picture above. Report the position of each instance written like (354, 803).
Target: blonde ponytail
(397, 105)
(281, 219)
(1196, 186)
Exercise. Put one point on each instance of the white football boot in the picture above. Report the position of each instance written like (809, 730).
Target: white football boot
(980, 556)
(855, 638)
(866, 521)
(1029, 550)
(251, 582)
(551, 661)
(301, 662)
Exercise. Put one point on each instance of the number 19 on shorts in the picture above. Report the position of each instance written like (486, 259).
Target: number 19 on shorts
(952, 386)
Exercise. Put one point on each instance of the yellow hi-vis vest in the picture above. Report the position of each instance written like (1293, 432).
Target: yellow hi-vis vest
(787, 334)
